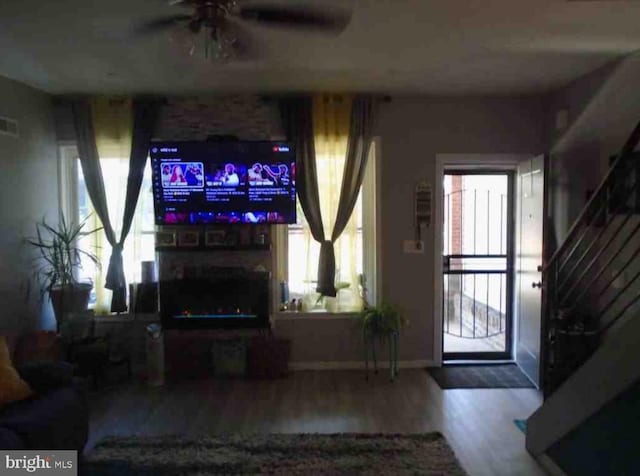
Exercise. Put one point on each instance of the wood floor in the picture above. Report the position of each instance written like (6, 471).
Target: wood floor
(477, 423)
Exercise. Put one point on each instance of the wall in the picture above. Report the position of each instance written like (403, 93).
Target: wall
(412, 131)
(28, 192)
(604, 107)
(574, 98)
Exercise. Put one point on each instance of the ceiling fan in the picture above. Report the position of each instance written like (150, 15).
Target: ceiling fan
(219, 25)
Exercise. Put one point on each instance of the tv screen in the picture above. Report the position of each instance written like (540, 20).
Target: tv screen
(197, 183)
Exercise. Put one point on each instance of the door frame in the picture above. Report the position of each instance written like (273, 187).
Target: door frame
(498, 162)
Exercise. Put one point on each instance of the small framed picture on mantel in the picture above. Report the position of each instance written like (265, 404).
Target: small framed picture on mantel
(188, 238)
(166, 239)
(213, 238)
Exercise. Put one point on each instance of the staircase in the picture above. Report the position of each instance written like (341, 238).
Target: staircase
(591, 313)
(592, 280)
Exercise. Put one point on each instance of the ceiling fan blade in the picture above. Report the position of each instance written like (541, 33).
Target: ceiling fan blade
(161, 24)
(328, 20)
(184, 3)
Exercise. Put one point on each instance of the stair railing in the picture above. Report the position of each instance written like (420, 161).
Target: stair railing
(592, 280)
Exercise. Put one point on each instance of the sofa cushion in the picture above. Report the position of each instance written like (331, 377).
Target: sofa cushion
(12, 387)
(57, 420)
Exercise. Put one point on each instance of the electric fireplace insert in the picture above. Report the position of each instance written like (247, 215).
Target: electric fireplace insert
(238, 300)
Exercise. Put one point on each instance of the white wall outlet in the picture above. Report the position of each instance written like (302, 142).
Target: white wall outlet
(413, 246)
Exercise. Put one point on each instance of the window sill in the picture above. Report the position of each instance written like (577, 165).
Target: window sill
(127, 317)
(315, 316)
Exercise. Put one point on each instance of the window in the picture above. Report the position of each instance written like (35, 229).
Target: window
(139, 245)
(355, 250)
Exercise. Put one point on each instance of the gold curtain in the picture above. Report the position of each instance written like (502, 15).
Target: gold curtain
(113, 126)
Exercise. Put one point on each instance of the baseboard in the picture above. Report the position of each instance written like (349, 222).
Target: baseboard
(550, 466)
(358, 365)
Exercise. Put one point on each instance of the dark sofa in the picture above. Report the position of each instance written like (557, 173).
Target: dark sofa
(56, 418)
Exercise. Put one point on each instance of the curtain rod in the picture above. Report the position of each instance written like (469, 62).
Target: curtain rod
(65, 98)
(269, 98)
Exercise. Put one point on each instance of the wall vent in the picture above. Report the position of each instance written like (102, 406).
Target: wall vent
(8, 127)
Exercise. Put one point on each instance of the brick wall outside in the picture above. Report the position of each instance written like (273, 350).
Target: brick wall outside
(456, 214)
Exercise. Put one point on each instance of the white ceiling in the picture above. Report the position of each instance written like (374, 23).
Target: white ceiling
(398, 46)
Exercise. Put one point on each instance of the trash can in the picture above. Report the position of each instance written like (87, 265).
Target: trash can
(155, 355)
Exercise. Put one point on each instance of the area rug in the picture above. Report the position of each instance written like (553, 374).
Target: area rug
(480, 376)
(344, 453)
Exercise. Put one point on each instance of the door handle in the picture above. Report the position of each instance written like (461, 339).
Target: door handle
(536, 285)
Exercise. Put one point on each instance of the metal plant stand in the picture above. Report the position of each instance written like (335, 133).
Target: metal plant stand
(370, 348)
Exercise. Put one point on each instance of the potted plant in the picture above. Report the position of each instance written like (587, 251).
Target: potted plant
(382, 320)
(60, 258)
(380, 323)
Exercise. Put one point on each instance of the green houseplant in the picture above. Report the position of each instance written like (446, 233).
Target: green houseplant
(382, 320)
(382, 323)
(59, 259)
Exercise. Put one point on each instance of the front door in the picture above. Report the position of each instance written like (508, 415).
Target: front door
(530, 196)
(477, 270)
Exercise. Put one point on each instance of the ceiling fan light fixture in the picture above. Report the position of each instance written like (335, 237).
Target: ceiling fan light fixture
(219, 45)
(209, 43)
(214, 30)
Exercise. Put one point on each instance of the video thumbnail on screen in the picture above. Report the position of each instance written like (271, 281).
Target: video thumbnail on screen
(269, 175)
(182, 174)
(227, 174)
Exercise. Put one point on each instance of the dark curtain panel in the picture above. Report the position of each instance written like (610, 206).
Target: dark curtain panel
(297, 120)
(90, 163)
(364, 114)
(145, 118)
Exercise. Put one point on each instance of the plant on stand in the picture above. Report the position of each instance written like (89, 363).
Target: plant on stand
(380, 323)
(59, 259)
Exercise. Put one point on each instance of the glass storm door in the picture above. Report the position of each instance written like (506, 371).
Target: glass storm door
(477, 270)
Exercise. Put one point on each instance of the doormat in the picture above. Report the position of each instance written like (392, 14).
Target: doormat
(480, 376)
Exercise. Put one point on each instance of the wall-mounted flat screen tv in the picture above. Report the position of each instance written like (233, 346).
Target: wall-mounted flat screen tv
(199, 183)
